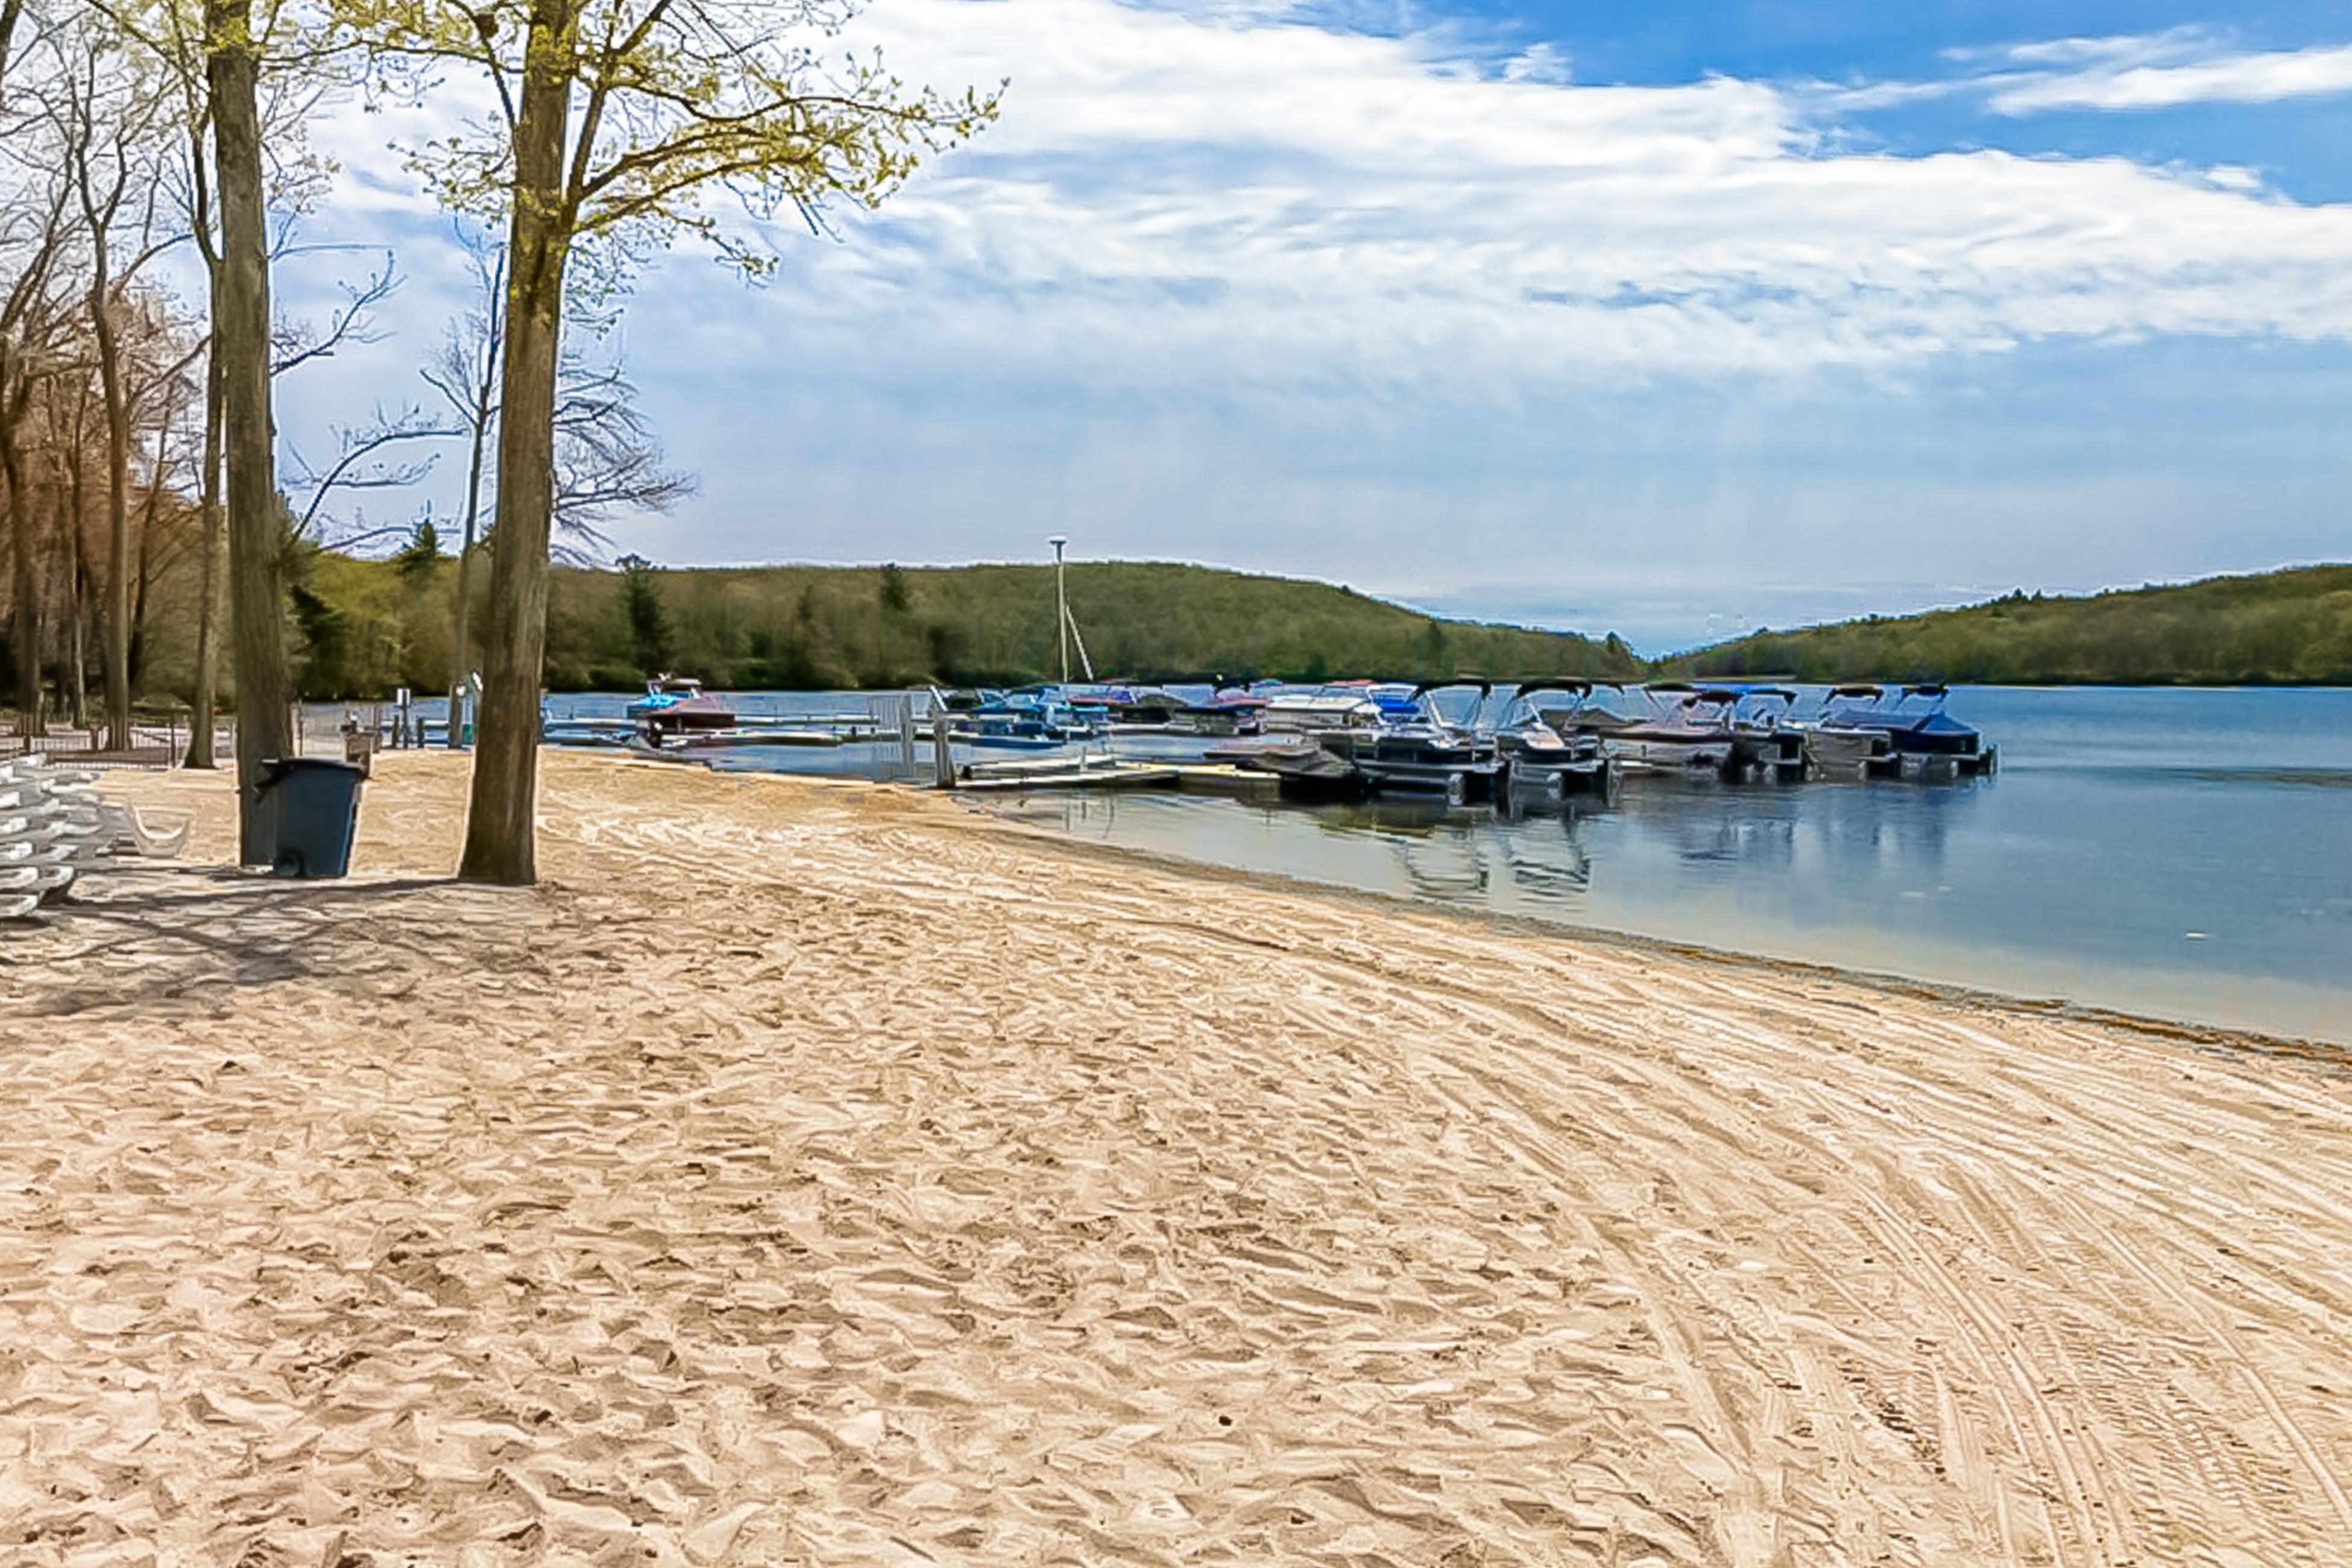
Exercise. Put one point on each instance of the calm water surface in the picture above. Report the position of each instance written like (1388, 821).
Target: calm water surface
(2179, 854)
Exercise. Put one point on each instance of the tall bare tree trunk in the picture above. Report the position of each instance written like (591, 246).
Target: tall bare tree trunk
(10, 13)
(500, 831)
(139, 599)
(265, 683)
(25, 592)
(208, 603)
(116, 653)
(460, 629)
(73, 525)
(24, 586)
(78, 645)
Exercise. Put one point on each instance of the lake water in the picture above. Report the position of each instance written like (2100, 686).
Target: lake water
(2183, 854)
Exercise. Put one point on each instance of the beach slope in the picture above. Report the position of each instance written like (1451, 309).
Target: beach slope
(819, 1173)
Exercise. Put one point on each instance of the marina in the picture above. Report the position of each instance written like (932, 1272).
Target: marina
(2093, 858)
(1462, 739)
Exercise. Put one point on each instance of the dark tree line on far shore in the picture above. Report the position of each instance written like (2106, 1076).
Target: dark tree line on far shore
(368, 627)
(2283, 628)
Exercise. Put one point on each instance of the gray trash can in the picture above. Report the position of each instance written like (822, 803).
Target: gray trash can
(310, 806)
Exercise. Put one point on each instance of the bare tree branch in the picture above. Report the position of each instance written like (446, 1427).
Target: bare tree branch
(360, 464)
(353, 321)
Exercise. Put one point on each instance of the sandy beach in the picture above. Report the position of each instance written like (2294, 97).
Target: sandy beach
(821, 1172)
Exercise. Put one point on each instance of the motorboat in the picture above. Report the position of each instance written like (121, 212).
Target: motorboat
(676, 704)
(1227, 711)
(1839, 748)
(1765, 717)
(1404, 743)
(1033, 719)
(1731, 731)
(1925, 738)
(1309, 710)
(1538, 757)
(1126, 706)
(1681, 729)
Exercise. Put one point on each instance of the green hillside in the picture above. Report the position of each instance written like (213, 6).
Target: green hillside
(2283, 628)
(370, 626)
(367, 627)
(884, 626)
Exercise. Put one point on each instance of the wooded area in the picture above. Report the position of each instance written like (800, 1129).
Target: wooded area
(2281, 628)
(137, 445)
(361, 628)
(368, 627)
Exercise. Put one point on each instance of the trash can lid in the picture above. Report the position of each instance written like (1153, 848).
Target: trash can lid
(276, 770)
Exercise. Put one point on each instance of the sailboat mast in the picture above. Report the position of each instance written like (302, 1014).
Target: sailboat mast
(1061, 604)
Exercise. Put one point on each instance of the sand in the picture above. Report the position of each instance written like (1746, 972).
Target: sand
(819, 1173)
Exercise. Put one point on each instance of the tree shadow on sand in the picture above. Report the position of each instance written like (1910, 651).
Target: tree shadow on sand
(163, 936)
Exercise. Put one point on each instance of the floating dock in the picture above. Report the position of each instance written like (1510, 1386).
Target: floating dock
(1109, 773)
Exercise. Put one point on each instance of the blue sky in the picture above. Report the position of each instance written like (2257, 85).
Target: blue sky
(1671, 320)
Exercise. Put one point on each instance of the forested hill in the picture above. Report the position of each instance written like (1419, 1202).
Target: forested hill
(2287, 628)
(804, 627)
(370, 626)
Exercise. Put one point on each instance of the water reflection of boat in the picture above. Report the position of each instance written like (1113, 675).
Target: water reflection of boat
(654, 739)
(1441, 853)
(1447, 864)
(1743, 826)
(1550, 868)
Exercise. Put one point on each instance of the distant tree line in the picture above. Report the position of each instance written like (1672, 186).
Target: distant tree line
(361, 628)
(364, 628)
(2284, 628)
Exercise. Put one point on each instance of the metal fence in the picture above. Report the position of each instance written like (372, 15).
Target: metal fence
(162, 742)
(154, 744)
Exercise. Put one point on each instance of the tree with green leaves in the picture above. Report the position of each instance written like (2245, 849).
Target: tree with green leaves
(641, 600)
(606, 458)
(615, 121)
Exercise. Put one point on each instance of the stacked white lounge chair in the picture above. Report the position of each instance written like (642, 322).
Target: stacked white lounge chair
(54, 826)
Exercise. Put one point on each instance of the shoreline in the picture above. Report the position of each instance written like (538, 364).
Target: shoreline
(2181, 1031)
(814, 1171)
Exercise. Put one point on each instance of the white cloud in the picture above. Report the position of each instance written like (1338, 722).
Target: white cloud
(1539, 62)
(1214, 267)
(1228, 193)
(2258, 78)
(2115, 50)
(1169, 199)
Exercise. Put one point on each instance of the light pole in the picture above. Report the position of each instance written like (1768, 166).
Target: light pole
(1061, 605)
